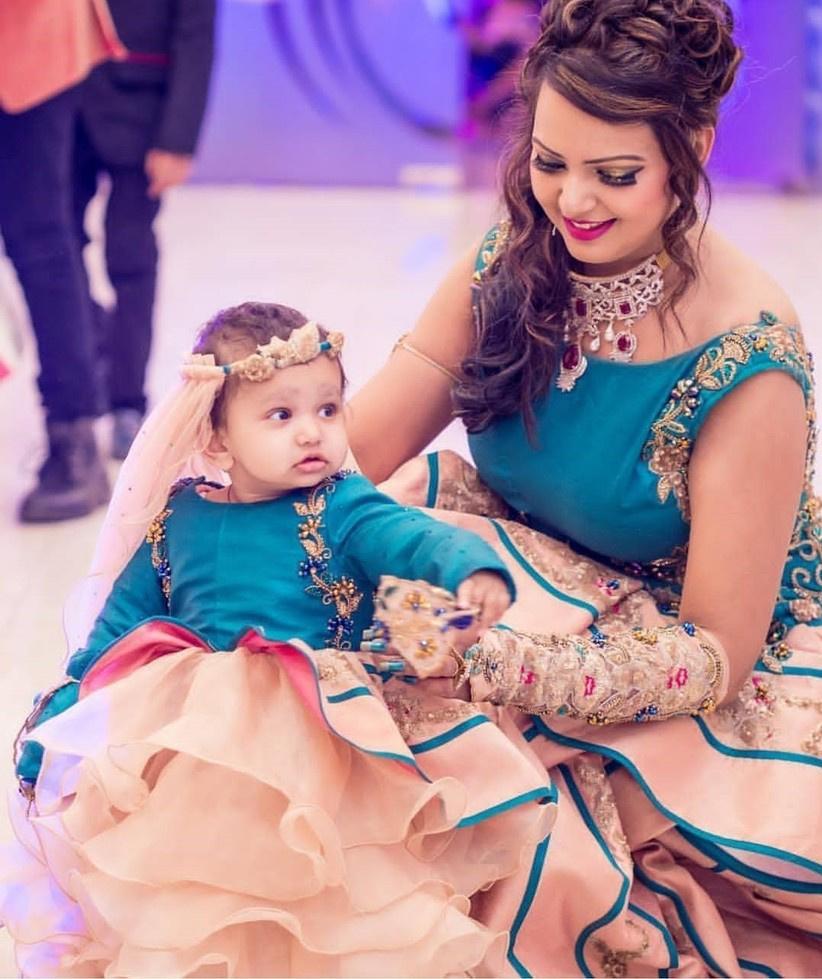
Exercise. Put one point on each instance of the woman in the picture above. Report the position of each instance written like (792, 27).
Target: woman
(634, 385)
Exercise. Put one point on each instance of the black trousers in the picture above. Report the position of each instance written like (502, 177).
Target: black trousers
(38, 227)
(124, 336)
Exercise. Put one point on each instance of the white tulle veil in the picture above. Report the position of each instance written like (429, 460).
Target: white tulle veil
(169, 446)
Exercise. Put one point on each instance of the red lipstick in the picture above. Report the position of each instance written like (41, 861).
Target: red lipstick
(587, 230)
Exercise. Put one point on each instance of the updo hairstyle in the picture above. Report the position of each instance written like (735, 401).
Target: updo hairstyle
(667, 63)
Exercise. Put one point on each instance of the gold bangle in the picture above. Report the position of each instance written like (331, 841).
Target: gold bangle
(403, 344)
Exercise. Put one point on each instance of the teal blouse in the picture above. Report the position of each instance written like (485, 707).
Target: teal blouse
(304, 565)
(609, 468)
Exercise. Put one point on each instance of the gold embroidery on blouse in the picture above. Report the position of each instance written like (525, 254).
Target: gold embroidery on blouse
(668, 449)
(805, 578)
(341, 592)
(490, 250)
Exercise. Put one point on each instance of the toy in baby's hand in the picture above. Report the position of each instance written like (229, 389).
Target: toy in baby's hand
(417, 621)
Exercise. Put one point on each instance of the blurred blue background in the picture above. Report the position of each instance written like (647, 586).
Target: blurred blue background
(375, 92)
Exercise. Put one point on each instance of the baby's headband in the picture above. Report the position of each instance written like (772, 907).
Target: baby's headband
(303, 346)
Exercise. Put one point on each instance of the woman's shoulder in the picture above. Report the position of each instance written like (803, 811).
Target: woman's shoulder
(736, 290)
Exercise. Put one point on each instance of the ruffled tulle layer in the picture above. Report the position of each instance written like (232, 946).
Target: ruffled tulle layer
(257, 813)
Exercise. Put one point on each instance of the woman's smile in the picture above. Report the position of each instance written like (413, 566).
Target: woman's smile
(588, 230)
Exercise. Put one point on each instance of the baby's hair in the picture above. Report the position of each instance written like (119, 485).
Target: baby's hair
(236, 332)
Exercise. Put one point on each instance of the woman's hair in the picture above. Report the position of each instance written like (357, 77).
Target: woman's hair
(236, 332)
(667, 63)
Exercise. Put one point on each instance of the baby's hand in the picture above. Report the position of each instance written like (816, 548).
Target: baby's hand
(487, 591)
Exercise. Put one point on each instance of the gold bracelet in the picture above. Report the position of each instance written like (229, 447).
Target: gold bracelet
(403, 344)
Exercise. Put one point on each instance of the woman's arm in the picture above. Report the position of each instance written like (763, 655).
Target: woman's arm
(408, 403)
(745, 480)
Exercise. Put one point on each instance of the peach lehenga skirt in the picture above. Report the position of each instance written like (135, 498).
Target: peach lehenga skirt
(281, 811)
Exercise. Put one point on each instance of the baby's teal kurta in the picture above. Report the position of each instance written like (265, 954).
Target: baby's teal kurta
(287, 568)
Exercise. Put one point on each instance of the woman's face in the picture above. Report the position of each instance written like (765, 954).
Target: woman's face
(604, 186)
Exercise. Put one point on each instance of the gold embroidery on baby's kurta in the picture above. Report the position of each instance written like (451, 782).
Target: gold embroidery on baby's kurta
(340, 592)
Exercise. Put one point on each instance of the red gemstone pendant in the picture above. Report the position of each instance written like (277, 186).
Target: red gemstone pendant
(573, 365)
(624, 346)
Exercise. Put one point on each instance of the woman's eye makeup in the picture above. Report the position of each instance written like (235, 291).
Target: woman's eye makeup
(548, 166)
(618, 178)
(613, 178)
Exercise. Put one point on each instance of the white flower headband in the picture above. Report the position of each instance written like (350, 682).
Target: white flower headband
(303, 346)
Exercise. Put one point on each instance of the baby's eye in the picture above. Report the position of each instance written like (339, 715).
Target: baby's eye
(279, 414)
(328, 411)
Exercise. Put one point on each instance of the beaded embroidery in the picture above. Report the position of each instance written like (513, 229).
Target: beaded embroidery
(460, 489)
(416, 719)
(756, 718)
(578, 576)
(668, 452)
(639, 675)
(341, 592)
(156, 536)
(615, 961)
(490, 250)
(596, 790)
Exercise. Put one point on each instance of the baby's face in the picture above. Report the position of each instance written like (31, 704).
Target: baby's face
(287, 432)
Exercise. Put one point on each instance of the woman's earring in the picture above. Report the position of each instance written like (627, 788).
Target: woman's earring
(553, 230)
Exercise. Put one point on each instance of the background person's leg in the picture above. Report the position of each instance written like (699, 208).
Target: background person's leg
(36, 220)
(131, 260)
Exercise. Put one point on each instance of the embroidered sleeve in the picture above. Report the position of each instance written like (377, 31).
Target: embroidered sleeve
(633, 675)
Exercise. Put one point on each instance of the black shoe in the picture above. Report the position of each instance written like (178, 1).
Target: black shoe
(127, 422)
(72, 481)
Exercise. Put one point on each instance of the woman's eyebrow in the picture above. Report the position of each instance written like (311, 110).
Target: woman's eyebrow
(603, 159)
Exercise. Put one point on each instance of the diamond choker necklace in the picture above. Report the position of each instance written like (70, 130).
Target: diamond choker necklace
(597, 304)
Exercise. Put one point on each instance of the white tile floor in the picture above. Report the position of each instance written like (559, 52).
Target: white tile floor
(360, 261)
